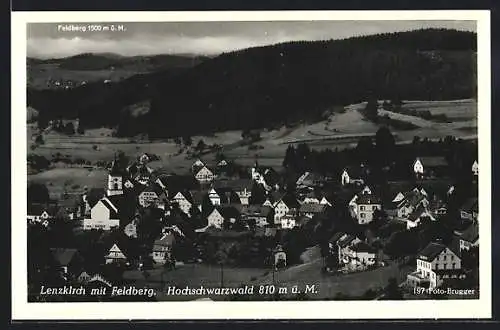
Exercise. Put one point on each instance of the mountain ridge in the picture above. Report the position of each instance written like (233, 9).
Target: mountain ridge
(267, 85)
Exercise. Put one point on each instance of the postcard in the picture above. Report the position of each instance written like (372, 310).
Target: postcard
(251, 165)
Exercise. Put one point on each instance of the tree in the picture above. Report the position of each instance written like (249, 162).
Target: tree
(80, 130)
(385, 144)
(69, 128)
(39, 139)
(258, 194)
(188, 141)
(289, 161)
(200, 146)
(371, 109)
(38, 193)
(392, 291)
(364, 148)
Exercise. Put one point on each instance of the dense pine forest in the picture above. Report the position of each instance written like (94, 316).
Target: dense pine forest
(267, 86)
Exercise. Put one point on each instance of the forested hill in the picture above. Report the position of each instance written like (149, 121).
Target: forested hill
(264, 86)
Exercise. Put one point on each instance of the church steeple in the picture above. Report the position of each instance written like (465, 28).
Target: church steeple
(115, 179)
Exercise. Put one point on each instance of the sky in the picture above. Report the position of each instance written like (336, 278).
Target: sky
(49, 40)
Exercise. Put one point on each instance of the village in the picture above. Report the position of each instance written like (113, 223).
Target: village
(369, 216)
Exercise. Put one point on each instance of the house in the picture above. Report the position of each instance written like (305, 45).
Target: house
(317, 198)
(162, 248)
(131, 228)
(437, 207)
(204, 175)
(288, 220)
(429, 166)
(215, 218)
(358, 256)
(309, 179)
(139, 171)
(38, 213)
(279, 257)
(363, 207)
(343, 243)
(353, 175)
(469, 210)
(284, 205)
(310, 210)
(262, 215)
(83, 278)
(197, 165)
(184, 201)
(475, 168)
(68, 261)
(266, 176)
(435, 263)
(469, 238)
(162, 180)
(230, 213)
(407, 203)
(103, 215)
(115, 255)
(200, 199)
(416, 217)
(222, 163)
(153, 194)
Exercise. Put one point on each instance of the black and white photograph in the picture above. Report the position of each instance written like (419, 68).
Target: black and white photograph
(254, 160)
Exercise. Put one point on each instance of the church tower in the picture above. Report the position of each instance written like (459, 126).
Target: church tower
(115, 180)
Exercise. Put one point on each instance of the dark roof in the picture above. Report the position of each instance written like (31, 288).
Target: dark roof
(35, 209)
(416, 213)
(310, 178)
(431, 251)
(271, 176)
(63, 256)
(355, 172)
(312, 208)
(154, 187)
(166, 239)
(434, 161)
(471, 234)
(111, 207)
(336, 237)
(94, 195)
(290, 200)
(115, 169)
(227, 196)
(198, 196)
(257, 210)
(302, 221)
(345, 240)
(368, 199)
(363, 247)
(229, 212)
(471, 205)
(238, 184)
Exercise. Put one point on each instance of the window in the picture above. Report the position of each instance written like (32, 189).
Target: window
(362, 215)
(362, 208)
(453, 265)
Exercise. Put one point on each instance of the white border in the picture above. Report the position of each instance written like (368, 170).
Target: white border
(22, 310)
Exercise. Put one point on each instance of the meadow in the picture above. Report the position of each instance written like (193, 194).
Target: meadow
(339, 130)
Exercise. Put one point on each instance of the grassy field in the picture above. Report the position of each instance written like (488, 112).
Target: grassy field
(329, 286)
(192, 275)
(69, 180)
(340, 130)
(41, 73)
